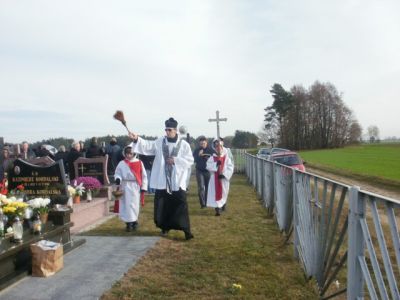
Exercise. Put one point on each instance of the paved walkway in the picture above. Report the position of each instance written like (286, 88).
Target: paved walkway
(88, 271)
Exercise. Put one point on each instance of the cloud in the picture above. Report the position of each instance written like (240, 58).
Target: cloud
(83, 60)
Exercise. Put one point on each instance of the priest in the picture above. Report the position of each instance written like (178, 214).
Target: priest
(220, 165)
(173, 158)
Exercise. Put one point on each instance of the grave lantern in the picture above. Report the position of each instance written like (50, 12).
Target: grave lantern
(17, 230)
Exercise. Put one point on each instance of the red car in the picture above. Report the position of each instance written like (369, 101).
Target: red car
(289, 158)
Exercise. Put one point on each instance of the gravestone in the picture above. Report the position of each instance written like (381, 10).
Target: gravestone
(46, 180)
(40, 161)
(93, 167)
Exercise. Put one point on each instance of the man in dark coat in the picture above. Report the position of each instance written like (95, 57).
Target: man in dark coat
(94, 150)
(62, 155)
(201, 155)
(73, 155)
(114, 152)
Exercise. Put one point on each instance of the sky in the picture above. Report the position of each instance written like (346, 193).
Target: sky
(67, 66)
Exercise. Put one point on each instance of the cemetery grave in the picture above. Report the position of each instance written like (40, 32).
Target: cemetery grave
(42, 177)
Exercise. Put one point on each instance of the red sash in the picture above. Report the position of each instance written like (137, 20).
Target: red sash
(217, 181)
(116, 206)
(136, 169)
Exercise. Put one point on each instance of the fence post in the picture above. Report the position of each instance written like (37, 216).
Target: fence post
(256, 173)
(258, 169)
(252, 171)
(295, 216)
(274, 185)
(356, 245)
(262, 180)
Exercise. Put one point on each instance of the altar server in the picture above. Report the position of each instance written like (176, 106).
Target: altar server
(130, 176)
(220, 165)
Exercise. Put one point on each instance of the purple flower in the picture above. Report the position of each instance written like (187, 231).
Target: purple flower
(90, 183)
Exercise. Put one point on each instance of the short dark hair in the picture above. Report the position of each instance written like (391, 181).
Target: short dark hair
(203, 138)
(171, 123)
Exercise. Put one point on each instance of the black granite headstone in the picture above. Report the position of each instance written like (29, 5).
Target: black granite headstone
(40, 181)
(40, 161)
(93, 167)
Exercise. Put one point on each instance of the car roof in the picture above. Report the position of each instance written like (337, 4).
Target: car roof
(284, 153)
(280, 149)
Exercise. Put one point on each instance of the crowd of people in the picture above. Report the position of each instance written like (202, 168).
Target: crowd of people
(161, 167)
(67, 155)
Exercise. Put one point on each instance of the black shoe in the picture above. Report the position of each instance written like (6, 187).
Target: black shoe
(128, 227)
(188, 236)
(217, 214)
(135, 226)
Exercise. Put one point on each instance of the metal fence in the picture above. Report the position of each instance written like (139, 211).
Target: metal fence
(345, 238)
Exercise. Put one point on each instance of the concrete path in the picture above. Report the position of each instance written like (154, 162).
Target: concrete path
(88, 271)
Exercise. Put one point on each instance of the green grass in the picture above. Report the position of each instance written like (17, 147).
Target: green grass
(379, 163)
(243, 246)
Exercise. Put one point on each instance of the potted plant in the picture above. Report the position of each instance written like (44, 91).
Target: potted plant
(41, 207)
(91, 185)
(76, 191)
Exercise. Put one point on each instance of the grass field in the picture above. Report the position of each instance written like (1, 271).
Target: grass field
(242, 247)
(379, 163)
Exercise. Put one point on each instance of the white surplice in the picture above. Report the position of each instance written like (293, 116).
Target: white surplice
(227, 171)
(182, 162)
(129, 204)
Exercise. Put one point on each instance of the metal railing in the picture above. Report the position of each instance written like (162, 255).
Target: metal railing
(345, 245)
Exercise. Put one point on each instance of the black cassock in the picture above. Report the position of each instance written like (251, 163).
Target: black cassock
(171, 210)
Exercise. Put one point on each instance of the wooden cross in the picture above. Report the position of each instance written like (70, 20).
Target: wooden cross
(218, 119)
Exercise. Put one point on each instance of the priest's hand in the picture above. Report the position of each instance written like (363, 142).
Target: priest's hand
(133, 136)
(170, 161)
(220, 176)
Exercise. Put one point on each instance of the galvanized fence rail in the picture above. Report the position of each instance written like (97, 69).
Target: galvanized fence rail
(345, 238)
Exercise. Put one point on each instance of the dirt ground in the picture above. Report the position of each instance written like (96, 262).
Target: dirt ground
(366, 186)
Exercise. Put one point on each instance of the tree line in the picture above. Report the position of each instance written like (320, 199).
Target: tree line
(312, 118)
(122, 140)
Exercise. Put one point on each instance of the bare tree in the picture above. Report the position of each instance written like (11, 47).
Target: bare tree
(355, 132)
(373, 133)
(313, 118)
